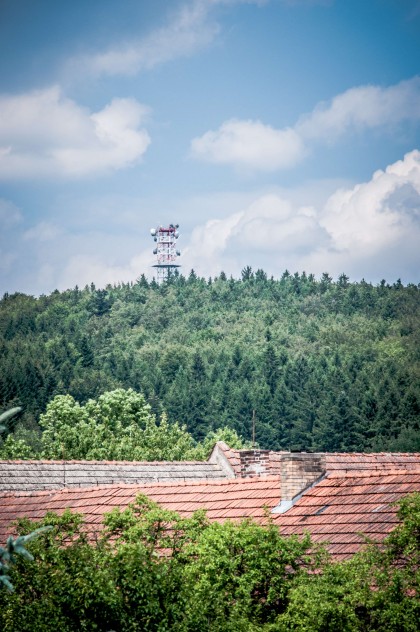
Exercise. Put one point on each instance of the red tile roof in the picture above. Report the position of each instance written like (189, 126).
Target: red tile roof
(224, 463)
(334, 460)
(232, 498)
(343, 506)
(336, 510)
(371, 461)
(239, 462)
(232, 456)
(354, 497)
(236, 459)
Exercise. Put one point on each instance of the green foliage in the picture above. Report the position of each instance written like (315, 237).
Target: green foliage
(226, 434)
(242, 574)
(14, 548)
(326, 365)
(395, 605)
(67, 587)
(7, 416)
(15, 448)
(149, 563)
(152, 570)
(378, 589)
(117, 426)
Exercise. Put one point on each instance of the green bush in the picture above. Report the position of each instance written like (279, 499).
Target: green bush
(151, 570)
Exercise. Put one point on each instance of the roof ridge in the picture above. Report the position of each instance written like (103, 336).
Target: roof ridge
(163, 484)
(380, 471)
(102, 462)
(29, 492)
(417, 454)
(222, 443)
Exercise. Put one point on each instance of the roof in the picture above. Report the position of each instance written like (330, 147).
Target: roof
(224, 462)
(232, 499)
(344, 506)
(371, 461)
(39, 474)
(246, 462)
(255, 462)
(335, 496)
(336, 510)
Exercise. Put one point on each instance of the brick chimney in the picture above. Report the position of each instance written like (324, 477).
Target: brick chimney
(254, 462)
(244, 463)
(299, 471)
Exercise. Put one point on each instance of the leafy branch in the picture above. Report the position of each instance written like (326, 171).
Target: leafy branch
(6, 416)
(15, 547)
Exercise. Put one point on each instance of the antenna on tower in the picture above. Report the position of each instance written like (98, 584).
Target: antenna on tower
(165, 250)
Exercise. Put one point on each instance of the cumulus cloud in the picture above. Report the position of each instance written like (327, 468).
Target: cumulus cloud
(263, 233)
(370, 230)
(45, 134)
(363, 107)
(257, 146)
(375, 221)
(250, 144)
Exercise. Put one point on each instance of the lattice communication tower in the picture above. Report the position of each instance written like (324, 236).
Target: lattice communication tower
(165, 250)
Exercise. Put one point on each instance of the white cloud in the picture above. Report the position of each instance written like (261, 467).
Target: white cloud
(44, 231)
(45, 134)
(82, 269)
(250, 144)
(47, 256)
(253, 145)
(370, 230)
(375, 221)
(190, 30)
(363, 107)
(266, 231)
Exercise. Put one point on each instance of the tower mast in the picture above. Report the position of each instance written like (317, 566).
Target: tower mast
(165, 250)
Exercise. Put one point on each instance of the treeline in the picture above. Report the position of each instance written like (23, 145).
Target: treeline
(321, 364)
(151, 570)
(118, 426)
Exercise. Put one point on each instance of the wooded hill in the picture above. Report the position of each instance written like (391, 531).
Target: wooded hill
(326, 365)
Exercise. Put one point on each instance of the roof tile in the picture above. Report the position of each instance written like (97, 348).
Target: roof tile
(356, 495)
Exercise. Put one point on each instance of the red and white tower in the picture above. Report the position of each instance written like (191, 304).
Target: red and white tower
(165, 250)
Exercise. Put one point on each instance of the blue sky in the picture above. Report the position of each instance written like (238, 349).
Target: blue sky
(278, 134)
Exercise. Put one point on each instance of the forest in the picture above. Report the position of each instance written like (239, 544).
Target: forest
(319, 364)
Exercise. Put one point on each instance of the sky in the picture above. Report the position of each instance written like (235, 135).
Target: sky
(280, 134)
